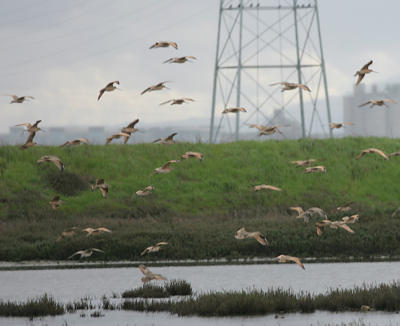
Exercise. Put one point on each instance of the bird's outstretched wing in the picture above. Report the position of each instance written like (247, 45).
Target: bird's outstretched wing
(169, 101)
(32, 135)
(360, 78)
(101, 93)
(296, 260)
(261, 239)
(133, 123)
(169, 60)
(364, 104)
(170, 137)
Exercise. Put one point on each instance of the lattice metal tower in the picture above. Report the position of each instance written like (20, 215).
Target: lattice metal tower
(259, 43)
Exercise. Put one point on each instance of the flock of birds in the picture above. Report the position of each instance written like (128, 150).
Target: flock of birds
(242, 233)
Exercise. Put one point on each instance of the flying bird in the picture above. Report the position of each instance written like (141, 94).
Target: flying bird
(19, 99)
(363, 71)
(303, 163)
(130, 128)
(54, 159)
(155, 248)
(233, 110)
(164, 44)
(85, 253)
(30, 127)
(145, 192)
(266, 187)
(91, 231)
(286, 259)
(118, 136)
(269, 131)
(351, 219)
(289, 86)
(314, 169)
(149, 276)
(75, 142)
(166, 168)
(334, 125)
(102, 186)
(29, 142)
(156, 87)
(178, 101)
(309, 213)
(167, 140)
(180, 59)
(333, 225)
(67, 233)
(243, 234)
(197, 155)
(55, 202)
(378, 102)
(372, 151)
(109, 88)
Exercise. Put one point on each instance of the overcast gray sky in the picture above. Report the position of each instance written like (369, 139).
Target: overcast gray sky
(63, 52)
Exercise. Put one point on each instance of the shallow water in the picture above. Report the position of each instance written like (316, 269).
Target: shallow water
(70, 284)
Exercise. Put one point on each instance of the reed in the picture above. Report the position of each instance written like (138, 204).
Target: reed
(172, 288)
(385, 297)
(42, 306)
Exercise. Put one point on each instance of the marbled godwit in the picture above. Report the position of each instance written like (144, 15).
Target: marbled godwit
(166, 168)
(178, 101)
(167, 140)
(289, 86)
(286, 259)
(156, 87)
(85, 253)
(155, 248)
(180, 59)
(164, 44)
(372, 151)
(243, 234)
(378, 103)
(19, 99)
(109, 88)
(54, 159)
(363, 71)
(149, 276)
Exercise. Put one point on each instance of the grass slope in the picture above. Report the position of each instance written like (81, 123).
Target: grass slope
(199, 205)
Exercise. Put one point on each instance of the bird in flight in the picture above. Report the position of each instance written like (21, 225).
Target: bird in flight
(55, 202)
(67, 233)
(118, 136)
(145, 192)
(286, 259)
(85, 253)
(75, 142)
(109, 88)
(363, 71)
(309, 213)
(166, 168)
(233, 110)
(334, 125)
(155, 248)
(314, 169)
(19, 99)
(164, 44)
(30, 127)
(378, 102)
(149, 276)
(29, 142)
(91, 231)
(156, 87)
(266, 187)
(167, 140)
(178, 101)
(303, 163)
(243, 234)
(180, 59)
(333, 225)
(130, 128)
(289, 86)
(102, 186)
(54, 159)
(197, 155)
(372, 151)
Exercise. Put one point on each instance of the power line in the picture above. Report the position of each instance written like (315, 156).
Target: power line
(22, 43)
(121, 45)
(85, 42)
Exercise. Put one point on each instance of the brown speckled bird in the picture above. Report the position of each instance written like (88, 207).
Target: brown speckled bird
(243, 234)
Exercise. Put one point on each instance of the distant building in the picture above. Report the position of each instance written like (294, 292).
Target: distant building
(381, 121)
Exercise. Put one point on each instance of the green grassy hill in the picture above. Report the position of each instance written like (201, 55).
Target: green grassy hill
(199, 205)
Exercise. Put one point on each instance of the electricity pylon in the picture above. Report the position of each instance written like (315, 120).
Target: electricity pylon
(264, 42)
